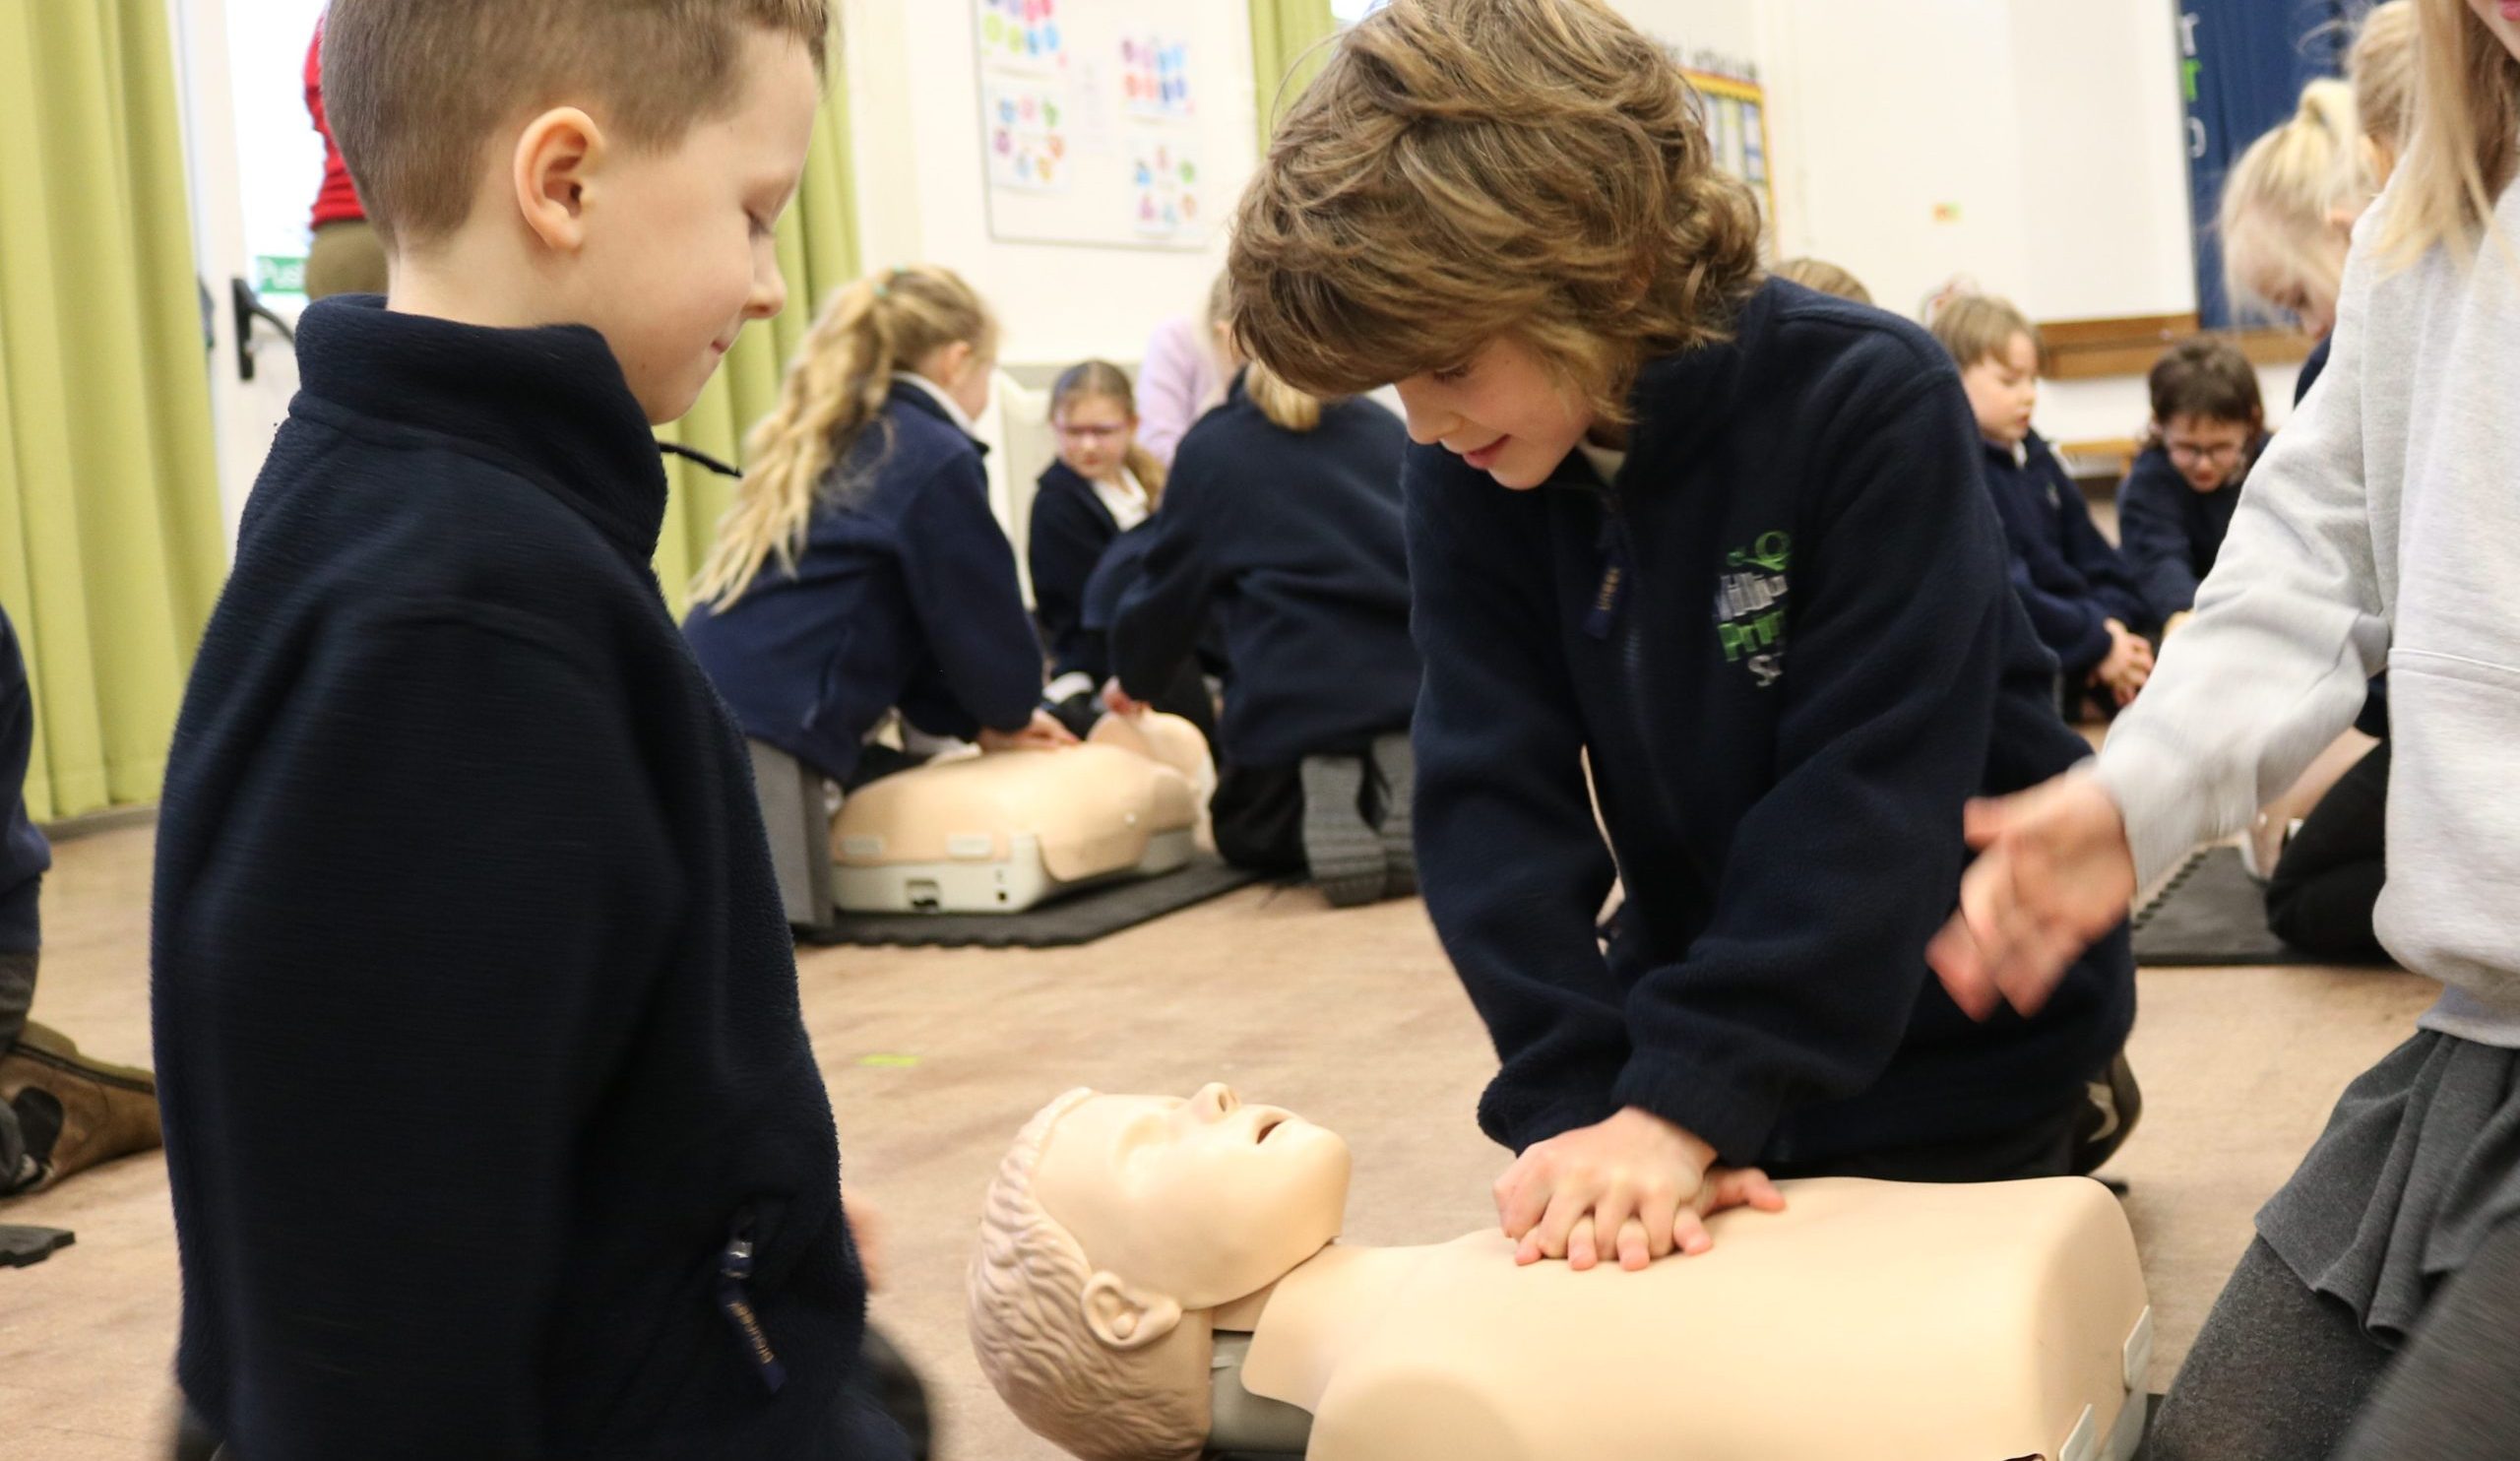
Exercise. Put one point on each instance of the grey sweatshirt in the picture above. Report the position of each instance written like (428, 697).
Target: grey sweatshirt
(2384, 525)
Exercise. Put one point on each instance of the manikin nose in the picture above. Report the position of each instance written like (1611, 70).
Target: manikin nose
(1215, 1102)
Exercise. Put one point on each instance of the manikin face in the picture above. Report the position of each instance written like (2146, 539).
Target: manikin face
(1094, 434)
(1502, 411)
(678, 248)
(2207, 451)
(2002, 389)
(1203, 1200)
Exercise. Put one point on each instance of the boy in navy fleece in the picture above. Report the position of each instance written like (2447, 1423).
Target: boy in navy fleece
(2081, 596)
(2177, 501)
(494, 1129)
(1723, 540)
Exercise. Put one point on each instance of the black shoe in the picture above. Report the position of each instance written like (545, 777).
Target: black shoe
(1343, 853)
(898, 1393)
(1396, 782)
(2114, 1105)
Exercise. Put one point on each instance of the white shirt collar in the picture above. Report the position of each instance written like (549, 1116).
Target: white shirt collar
(1124, 500)
(1605, 460)
(953, 410)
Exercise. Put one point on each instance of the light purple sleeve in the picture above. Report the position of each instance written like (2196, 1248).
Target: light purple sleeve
(1174, 384)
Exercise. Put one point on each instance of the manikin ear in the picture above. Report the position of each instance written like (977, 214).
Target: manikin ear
(1124, 1316)
(556, 160)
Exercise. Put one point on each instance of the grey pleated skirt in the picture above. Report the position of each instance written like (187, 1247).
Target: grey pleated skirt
(2420, 1161)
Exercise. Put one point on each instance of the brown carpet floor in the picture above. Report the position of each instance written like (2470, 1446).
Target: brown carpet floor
(934, 1058)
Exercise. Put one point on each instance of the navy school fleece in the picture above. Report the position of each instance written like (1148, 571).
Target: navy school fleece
(23, 854)
(1293, 540)
(905, 595)
(1784, 638)
(475, 1011)
(2170, 532)
(1070, 531)
(2068, 576)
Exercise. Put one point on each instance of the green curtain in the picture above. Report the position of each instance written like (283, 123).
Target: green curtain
(818, 254)
(1284, 34)
(111, 548)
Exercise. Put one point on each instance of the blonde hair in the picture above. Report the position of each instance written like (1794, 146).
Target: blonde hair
(1981, 327)
(2280, 215)
(1467, 169)
(1285, 406)
(836, 389)
(2382, 67)
(1827, 278)
(2461, 144)
(1106, 381)
(415, 89)
(1025, 1308)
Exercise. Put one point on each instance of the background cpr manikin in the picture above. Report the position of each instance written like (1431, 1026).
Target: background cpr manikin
(1002, 833)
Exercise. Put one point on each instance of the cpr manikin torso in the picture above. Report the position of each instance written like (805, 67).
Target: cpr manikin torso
(1888, 1321)
(1002, 833)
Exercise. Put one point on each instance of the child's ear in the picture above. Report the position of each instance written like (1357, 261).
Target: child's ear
(1125, 1316)
(557, 157)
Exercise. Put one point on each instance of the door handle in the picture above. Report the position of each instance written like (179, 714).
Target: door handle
(249, 307)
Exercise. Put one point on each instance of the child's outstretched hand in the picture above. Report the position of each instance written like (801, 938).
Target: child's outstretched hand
(2053, 873)
(1635, 1187)
(1044, 733)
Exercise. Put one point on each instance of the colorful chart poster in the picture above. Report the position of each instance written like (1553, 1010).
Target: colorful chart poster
(1164, 186)
(1026, 136)
(1090, 125)
(1155, 77)
(1022, 34)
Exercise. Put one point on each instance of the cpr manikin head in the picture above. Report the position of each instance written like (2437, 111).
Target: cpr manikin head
(1116, 1224)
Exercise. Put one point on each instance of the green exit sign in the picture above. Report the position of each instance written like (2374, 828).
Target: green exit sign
(280, 274)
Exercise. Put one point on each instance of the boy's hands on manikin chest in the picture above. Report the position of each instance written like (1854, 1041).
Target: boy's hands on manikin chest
(1634, 1187)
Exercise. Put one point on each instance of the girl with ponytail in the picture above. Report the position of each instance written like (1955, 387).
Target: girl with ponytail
(2288, 207)
(859, 569)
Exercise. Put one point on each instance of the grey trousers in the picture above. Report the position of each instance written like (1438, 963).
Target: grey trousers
(2283, 1374)
(17, 996)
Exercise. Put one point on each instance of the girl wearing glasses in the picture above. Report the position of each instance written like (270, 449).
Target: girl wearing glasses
(1103, 484)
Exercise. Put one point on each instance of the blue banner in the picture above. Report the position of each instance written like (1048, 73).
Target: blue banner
(2243, 64)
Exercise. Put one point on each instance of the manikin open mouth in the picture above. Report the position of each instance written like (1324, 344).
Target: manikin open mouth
(1269, 1123)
